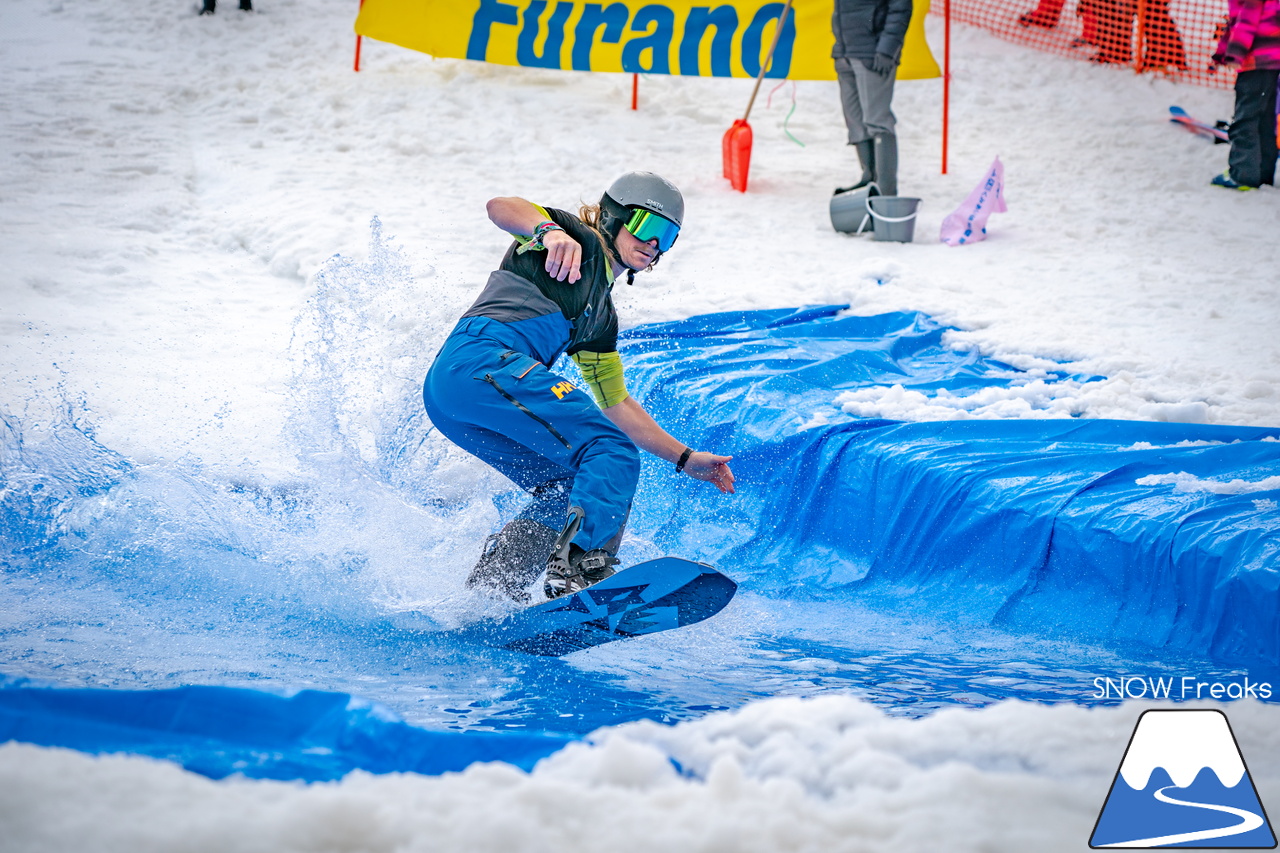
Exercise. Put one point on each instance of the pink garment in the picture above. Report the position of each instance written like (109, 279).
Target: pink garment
(1252, 37)
(968, 222)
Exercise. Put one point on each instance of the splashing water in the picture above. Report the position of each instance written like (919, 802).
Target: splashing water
(346, 572)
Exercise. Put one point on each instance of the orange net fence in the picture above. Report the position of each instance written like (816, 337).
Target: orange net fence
(1175, 38)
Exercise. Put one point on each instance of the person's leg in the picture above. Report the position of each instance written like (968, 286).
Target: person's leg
(858, 135)
(535, 427)
(876, 94)
(513, 557)
(1045, 14)
(1251, 111)
(1267, 130)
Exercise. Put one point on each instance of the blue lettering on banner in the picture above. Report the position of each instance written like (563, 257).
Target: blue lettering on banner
(490, 12)
(531, 28)
(659, 41)
(614, 20)
(654, 26)
(751, 43)
(725, 20)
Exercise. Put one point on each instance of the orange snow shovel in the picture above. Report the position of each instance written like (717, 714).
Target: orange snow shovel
(736, 144)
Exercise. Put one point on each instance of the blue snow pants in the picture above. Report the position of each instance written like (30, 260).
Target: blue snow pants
(545, 434)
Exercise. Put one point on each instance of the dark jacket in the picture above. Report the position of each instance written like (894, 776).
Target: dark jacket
(864, 28)
(554, 316)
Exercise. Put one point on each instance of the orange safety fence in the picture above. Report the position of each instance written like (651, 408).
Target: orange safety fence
(1175, 38)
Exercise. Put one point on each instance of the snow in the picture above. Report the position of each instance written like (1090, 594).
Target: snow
(174, 185)
(829, 773)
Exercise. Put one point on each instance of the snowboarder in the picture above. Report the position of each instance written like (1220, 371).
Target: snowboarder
(491, 389)
(869, 38)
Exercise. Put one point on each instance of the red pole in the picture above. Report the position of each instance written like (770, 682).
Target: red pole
(358, 40)
(635, 88)
(946, 80)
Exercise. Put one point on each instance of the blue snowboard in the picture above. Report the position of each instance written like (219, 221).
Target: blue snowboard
(648, 597)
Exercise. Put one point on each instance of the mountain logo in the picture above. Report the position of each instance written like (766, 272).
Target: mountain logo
(1183, 783)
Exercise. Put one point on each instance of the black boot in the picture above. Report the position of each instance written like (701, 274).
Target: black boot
(246, 5)
(571, 569)
(887, 163)
(578, 570)
(512, 559)
(208, 7)
(867, 157)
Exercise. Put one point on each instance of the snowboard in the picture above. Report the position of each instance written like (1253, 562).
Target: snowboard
(1217, 131)
(646, 598)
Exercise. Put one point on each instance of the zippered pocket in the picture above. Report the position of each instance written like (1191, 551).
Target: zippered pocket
(488, 377)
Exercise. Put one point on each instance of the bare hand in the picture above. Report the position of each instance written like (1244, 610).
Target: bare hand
(711, 469)
(564, 256)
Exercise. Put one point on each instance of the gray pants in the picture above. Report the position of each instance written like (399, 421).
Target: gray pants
(866, 97)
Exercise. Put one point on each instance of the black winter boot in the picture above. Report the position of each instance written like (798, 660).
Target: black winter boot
(246, 5)
(887, 163)
(512, 559)
(867, 157)
(208, 7)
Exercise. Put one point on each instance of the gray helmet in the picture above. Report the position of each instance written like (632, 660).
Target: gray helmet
(644, 190)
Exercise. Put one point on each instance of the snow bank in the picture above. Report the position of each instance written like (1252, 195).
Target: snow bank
(826, 774)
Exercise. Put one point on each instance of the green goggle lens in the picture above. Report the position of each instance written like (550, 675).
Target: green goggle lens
(645, 225)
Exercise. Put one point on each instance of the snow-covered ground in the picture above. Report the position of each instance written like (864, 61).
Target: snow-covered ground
(172, 185)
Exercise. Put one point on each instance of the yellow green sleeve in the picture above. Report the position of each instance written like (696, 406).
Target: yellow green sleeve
(525, 239)
(603, 374)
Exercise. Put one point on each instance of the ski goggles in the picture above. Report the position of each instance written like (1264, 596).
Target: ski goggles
(645, 225)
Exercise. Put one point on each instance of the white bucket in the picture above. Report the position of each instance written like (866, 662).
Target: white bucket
(895, 217)
(849, 213)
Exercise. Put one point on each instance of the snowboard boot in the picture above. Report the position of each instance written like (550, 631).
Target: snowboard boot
(208, 7)
(570, 569)
(886, 147)
(867, 157)
(512, 559)
(246, 5)
(577, 570)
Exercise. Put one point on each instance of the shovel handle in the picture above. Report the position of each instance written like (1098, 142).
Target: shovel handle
(768, 60)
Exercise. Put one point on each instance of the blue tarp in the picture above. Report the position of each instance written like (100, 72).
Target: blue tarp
(217, 731)
(1041, 525)
(1120, 533)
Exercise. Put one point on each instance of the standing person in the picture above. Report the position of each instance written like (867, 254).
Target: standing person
(491, 390)
(210, 6)
(1251, 45)
(869, 36)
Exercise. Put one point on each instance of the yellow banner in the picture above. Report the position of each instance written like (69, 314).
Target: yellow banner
(671, 37)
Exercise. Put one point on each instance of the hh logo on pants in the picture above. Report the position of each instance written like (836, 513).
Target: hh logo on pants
(562, 389)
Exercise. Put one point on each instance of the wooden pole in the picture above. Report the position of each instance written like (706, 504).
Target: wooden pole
(764, 66)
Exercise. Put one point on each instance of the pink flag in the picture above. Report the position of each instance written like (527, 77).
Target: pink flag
(968, 222)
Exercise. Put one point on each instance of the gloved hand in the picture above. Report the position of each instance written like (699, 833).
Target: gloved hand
(883, 64)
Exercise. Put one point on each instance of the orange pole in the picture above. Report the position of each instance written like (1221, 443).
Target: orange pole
(1141, 50)
(946, 81)
(358, 40)
(635, 88)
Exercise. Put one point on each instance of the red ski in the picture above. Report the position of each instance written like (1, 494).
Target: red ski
(1216, 131)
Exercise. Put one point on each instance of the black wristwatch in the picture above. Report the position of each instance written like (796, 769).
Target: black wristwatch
(684, 457)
